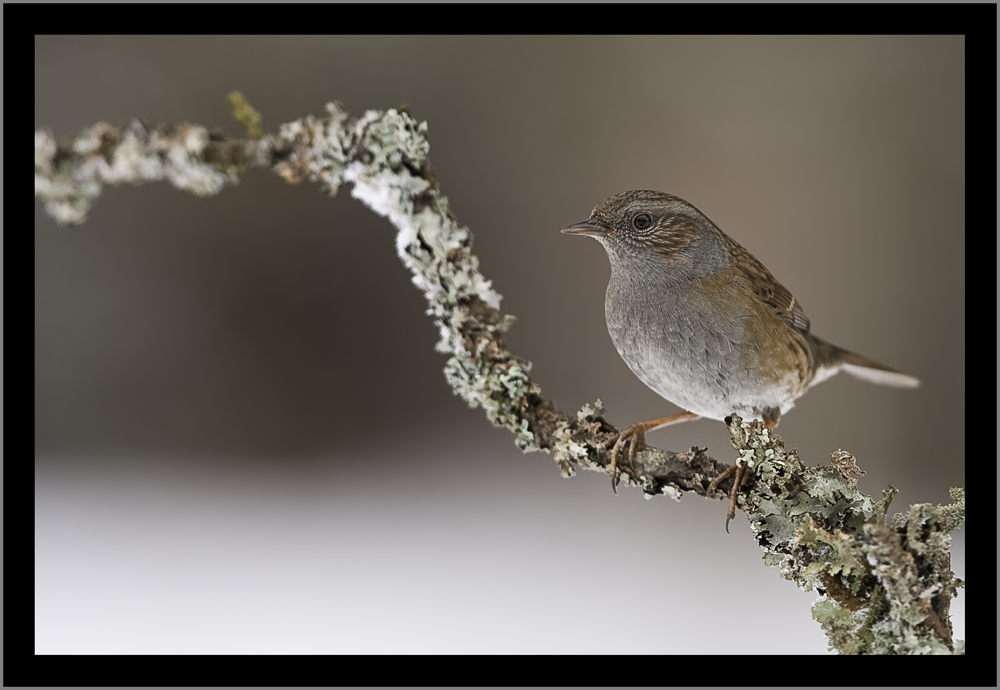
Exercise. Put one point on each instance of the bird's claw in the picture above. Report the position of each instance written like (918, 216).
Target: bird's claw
(633, 436)
(741, 472)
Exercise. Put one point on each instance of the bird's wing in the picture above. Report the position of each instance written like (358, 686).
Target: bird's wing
(769, 290)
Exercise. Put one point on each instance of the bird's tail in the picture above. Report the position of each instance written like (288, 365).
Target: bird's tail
(830, 359)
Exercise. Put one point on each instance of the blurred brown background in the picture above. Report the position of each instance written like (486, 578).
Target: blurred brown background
(237, 400)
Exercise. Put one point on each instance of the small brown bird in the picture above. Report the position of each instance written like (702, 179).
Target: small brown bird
(701, 321)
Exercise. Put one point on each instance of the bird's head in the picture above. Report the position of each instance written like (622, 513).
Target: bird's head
(648, 227)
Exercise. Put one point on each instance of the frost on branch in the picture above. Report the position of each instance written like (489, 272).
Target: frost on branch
(884, 589)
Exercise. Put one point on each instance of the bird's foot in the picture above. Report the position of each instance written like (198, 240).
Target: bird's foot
(633, 436)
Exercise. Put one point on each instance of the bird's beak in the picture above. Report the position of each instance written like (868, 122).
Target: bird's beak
(591, 226)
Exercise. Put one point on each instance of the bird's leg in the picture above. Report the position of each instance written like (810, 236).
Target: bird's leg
(741, 473)
(635, 435)
(723, 475)
(771, 417)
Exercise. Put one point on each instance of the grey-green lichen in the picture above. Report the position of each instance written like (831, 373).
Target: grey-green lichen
(384, 156)
(884, 589)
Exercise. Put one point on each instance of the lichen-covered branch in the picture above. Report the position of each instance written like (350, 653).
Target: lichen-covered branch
(884, 589)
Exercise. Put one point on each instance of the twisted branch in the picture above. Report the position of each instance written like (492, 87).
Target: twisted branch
(886, 590)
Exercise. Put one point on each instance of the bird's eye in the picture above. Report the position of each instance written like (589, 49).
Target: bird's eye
(642, 221)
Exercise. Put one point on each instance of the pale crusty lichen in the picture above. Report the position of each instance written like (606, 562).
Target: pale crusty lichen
(884, 589)
(384, 157)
